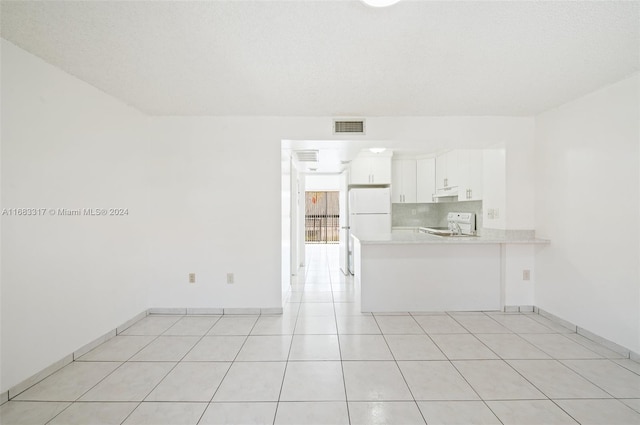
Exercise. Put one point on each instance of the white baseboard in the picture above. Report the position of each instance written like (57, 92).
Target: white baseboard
(168, 311)
(49, 370)
(131, 321)
(37, 377)
(93, 344)
(206, 311)
(27, 383)
(556, 319)
(623, 351)
(605, 342)
(518, 308)
(215, 311)
(234, 311)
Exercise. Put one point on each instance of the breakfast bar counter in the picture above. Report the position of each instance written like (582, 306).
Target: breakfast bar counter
(420, 272)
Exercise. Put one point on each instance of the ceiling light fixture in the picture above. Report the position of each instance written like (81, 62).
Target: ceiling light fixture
(380, 3)
(377, 150)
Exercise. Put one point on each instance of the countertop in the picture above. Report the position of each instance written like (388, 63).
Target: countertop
(403, 236)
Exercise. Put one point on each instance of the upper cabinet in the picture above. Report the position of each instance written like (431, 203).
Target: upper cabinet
(447, 170)
(403, 181)
(425, 180)
(470, 175)
(460, 171)
(371, 169)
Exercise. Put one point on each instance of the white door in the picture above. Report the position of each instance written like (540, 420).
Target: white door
(344, 222)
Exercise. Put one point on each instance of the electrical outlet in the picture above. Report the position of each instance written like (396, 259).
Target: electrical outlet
(192, 278)
(526, 274)
(493, 213)
(230, 278)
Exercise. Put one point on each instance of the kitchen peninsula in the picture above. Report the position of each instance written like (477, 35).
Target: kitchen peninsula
(419, 272)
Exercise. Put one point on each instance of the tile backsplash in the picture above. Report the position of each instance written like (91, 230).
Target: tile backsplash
(432, 215)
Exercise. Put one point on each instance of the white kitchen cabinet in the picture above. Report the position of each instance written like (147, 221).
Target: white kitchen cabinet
(403, 181)
(425, 180)
(470, 175)
(447, 169)
(371, 169)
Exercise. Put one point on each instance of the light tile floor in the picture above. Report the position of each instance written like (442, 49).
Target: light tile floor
(324, 362)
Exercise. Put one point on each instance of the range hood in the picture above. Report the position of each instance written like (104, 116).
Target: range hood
(446, 194)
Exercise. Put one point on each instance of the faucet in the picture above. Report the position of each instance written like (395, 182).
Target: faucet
(457, 228)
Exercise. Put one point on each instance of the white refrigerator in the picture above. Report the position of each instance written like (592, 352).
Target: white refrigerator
(369, 214)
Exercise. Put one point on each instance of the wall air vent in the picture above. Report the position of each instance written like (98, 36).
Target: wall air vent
(348, 126)
(307, 156)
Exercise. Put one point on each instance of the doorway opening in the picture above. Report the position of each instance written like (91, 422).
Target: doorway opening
(322, 217)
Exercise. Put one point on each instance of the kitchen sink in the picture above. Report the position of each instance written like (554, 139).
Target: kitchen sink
(453, 235)
(443, 232)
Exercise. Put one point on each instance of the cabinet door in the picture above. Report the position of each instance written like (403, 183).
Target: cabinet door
(425, 180)
(452, 167)
(470, 175)
(475, 174)
(396, 181)
(380, 169)
(409, 181)
(441, 170)
(360, 171)
(447, 169)
(403, 181)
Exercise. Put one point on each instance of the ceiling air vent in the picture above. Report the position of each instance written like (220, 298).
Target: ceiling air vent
(307, 156)
(348, 126)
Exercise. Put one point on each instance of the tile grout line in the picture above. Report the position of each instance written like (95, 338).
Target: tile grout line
(344, 381)
(171, 370)
(463, 377)
(106, 376)
(400, 369)
(286, 365)
(230, 363)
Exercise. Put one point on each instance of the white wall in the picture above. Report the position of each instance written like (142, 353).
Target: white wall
(216, 196)
(494, 190)
(286, 229)
(587, 203)
(520, 186)
(67, 280)
(517, 291)
(321, 183)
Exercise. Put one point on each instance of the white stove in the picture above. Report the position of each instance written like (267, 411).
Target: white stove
(461, 223)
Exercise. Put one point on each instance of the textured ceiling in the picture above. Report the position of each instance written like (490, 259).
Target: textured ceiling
(337, 58)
